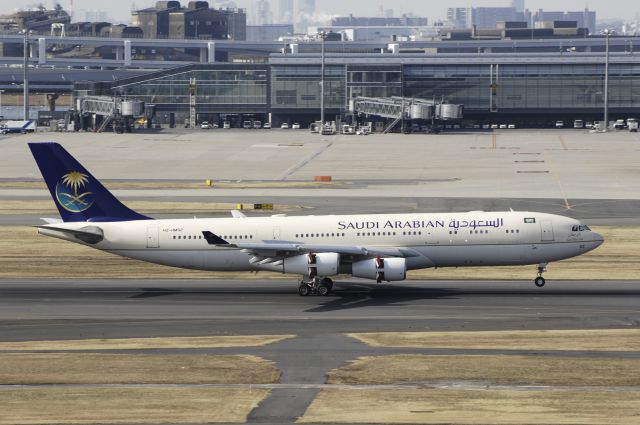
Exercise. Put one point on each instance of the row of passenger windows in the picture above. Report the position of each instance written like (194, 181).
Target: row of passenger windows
(322, 235)
(414, 233)
(223, 237)
(318, 235)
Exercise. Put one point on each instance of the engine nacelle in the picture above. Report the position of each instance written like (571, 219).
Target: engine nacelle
(381, 269)
(312, 264)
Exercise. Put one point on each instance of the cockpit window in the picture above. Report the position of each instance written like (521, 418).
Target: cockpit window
(580, 228)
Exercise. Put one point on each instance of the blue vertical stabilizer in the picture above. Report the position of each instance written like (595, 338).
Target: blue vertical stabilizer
(78, 195)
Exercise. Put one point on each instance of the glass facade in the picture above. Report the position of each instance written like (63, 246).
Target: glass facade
(374, 81)
(530, 86)
(294, 88)
(220, 87)
(298, 86)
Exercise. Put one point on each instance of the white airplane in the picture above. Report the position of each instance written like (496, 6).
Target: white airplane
(381, 247)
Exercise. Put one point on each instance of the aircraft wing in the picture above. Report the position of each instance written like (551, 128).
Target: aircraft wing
(277, 248)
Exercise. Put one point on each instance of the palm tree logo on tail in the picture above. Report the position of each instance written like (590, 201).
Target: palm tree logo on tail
(69, 192)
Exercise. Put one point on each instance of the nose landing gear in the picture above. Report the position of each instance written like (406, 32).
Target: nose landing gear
(539, 281)
(315, 286)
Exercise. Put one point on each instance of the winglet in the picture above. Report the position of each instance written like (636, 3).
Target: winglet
(213, 239)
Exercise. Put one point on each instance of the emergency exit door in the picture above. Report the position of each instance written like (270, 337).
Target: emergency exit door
(546, 228)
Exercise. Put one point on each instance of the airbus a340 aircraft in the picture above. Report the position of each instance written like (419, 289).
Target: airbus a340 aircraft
(381, 247)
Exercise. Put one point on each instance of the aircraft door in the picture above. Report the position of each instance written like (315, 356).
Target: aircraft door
(546, 228)
(152, 237)
(276, 233)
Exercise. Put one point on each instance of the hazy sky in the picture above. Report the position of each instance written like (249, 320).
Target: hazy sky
(121, 9)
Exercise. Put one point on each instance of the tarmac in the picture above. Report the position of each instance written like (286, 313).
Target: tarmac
(76, 309)
(595, 177)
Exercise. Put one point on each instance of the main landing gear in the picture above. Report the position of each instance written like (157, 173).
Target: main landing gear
(315, 286)
(539, 281)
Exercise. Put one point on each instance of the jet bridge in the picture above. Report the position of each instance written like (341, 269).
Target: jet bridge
(114, 110)
(404, 108)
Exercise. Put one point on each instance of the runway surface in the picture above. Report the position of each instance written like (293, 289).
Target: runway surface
(107, 308)
(76, 309)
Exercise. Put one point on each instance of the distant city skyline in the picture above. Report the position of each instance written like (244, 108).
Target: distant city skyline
(120, 10)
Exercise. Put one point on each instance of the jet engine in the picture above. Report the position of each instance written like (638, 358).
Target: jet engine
(381, 269)
(312, 264)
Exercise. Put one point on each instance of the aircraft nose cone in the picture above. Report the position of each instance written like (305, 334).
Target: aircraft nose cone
(598, 239)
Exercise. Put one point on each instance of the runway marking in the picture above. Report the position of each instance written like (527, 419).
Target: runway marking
(553, 174)
(446, 385)
(304, 162)
(563, 143)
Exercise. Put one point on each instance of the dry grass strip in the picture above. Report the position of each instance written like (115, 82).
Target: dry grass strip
(127, 405)
(222, 341)
(497, 407)
(567, 340)
(493, 369)
(618, 258)
(91, 368)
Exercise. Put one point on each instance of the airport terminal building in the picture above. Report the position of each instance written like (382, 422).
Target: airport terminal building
(533, 89)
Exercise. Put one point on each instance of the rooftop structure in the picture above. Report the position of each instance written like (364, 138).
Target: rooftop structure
(40, 19)
(168, 19)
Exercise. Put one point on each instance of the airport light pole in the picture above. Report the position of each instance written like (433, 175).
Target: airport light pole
(25, 76)
(607, 33)
(322, 35)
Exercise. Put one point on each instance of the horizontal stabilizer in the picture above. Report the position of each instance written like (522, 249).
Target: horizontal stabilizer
(88, 234)
(51, 220)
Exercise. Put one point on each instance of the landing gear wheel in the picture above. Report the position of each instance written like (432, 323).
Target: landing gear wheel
(323, 290)
(539, 281)
(304, 290)
(328, 283)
